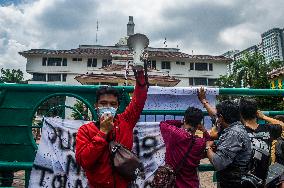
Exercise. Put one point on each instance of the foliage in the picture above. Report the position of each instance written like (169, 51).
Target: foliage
(251, 72)
(11, 76)
(81, 107)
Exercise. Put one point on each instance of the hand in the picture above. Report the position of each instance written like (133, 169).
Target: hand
(209, 143)
(106, 124)
(260, 115)
(201, 95)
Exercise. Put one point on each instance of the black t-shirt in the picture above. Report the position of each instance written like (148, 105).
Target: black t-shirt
(261, 141)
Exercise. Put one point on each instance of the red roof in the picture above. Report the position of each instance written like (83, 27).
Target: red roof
(108, 50)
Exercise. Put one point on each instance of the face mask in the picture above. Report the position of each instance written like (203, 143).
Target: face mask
(107, 110)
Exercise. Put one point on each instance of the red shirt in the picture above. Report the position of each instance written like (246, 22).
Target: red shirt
(177, 142)
(92, 150)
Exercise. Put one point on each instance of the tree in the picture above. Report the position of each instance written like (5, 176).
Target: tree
(251, 72)
(81, 107)
(11, 76)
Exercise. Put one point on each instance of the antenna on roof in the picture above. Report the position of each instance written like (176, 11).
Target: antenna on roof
(165, 42)
(97, 31)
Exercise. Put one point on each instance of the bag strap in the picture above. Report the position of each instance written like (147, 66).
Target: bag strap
(185, 156)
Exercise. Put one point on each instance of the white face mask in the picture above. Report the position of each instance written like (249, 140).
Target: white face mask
(106, 110)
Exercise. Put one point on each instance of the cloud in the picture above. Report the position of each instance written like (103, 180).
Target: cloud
(207, 27)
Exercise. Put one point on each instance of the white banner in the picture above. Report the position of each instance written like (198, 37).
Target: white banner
(55, 164)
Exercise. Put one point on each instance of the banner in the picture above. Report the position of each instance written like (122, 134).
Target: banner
(55, 165)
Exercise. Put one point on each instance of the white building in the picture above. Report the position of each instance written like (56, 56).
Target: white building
(273, 44)
(96, 64)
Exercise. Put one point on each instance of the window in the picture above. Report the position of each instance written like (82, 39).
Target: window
(54, 61)
(191, 81)
(152, 64)
(64, 63)
(76, 59)
(92, 62)
(191, 66)
(53, 77)
(44, 59)
(64, 77)
(166, 65)
(201, 66)
(210, 66)
(39, 77)
(178, 63)
(182, 63)
(106, 62)
(211, 81)
(200, 81)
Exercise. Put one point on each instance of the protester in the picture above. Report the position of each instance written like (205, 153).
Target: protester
(233, 149)
(179, 136)
(92, 148)
(261, 136)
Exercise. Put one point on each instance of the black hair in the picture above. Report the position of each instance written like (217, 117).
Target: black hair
(106, 90)
(229, 111)
(248, 108)
(193, 116)
(279, 117)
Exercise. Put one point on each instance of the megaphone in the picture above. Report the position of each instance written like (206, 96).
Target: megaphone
(137, 43)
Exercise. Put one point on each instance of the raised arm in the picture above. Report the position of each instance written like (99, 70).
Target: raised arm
(270, 120)
(135, 107)
(202, 98)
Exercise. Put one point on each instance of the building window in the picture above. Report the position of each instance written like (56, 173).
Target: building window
(64, 63)
(180, 63)
(54, 61)
(191, 81)
(152, 64)
(212, 81)
(210, 67)
(76, 59)
(44, 59)
(92, 62)
(39, 77)
(200, 81)
(64, 77)
(201, 66)
(106, 62)
(191, 66)
(53, 77)
(166, 65)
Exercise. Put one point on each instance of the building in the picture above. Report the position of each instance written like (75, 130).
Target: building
(100, 65)
(273, 44)
(250, 51)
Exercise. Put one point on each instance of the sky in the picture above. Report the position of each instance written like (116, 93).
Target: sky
(206, 27)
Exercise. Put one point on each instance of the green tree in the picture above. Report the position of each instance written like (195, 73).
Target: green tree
(81, 107)
(11, 76)
(251, 72)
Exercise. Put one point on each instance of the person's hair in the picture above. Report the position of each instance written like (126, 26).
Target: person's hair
(229, 111)
(248, 108)
(105, 90)
(279, 117)
(193, 116)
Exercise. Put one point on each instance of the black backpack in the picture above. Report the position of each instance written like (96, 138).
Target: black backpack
(279, 151)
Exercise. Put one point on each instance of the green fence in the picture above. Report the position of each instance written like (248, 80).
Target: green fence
(19, 103)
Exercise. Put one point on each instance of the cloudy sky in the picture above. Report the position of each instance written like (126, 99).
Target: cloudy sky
(204, 26)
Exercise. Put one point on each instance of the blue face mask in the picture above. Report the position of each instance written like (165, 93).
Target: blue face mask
(106, 110)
